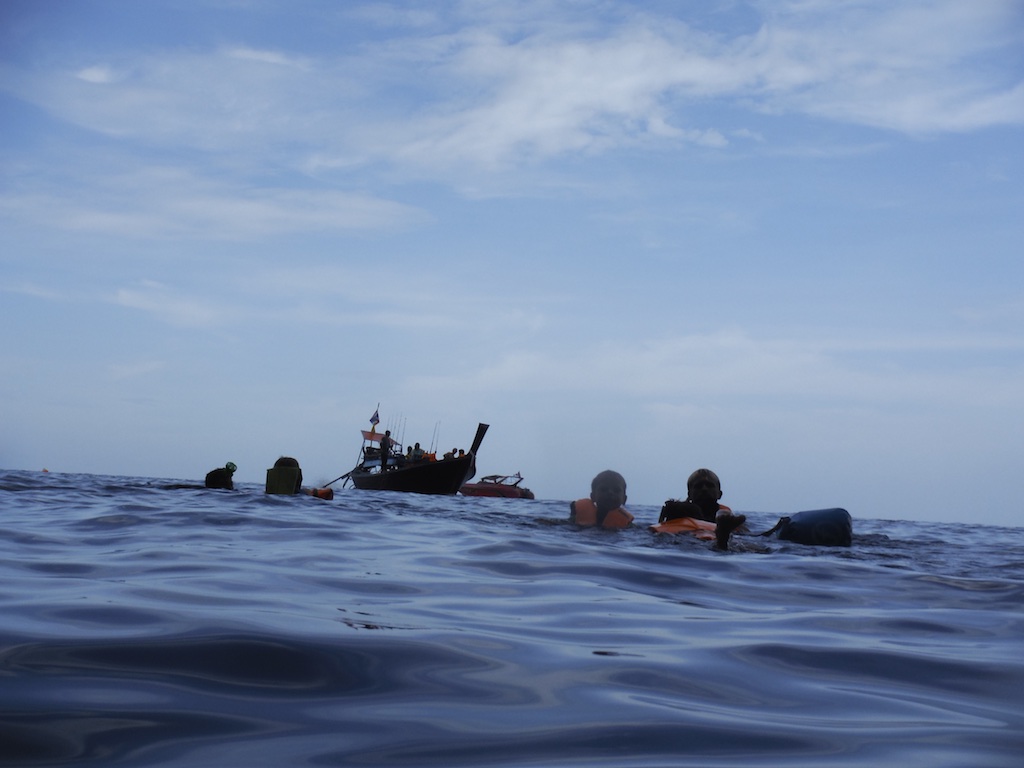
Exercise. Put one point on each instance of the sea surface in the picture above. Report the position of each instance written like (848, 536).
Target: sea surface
(147, 625)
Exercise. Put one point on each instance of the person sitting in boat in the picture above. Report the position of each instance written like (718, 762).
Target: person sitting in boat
(701, 514)
(604, 507)
(222, 477)
(417, 453)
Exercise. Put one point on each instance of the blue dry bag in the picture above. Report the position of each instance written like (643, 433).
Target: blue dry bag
(824, 527)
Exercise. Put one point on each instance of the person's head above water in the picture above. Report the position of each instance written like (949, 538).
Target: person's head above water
(608, 490)
(288, 461)
(704, 489)
(703, 476)
(221, 477)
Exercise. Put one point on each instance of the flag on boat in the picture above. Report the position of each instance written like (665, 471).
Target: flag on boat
(375, 420)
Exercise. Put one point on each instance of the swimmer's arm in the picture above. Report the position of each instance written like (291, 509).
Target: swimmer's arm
(729, 517)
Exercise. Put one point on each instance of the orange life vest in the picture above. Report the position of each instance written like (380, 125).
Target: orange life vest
(586, 514)
(701, 529)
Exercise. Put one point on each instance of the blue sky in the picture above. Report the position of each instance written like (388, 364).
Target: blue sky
(779, 239)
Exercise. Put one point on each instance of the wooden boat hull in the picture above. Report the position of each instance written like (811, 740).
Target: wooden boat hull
(443, 477)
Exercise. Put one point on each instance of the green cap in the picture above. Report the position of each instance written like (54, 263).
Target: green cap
(230, 466)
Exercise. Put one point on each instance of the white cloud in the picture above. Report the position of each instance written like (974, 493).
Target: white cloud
(542, 97)
(98, 74)
(33, 290)
(1009, 314)
(154, 201)
(911, 67)
(267, 57)
(161, 301)
(533, 94)
(407, 297)
(732, 366)
(502, 89)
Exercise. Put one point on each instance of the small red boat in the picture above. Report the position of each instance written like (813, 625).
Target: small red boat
(502, 486)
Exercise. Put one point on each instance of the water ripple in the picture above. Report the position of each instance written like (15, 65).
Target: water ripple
(147, 624)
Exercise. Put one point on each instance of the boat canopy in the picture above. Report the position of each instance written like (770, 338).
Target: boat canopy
(515, 479)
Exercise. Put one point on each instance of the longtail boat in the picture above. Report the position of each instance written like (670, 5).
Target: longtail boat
(414, 474)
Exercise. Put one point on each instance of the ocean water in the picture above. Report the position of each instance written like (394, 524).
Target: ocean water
(142, 625)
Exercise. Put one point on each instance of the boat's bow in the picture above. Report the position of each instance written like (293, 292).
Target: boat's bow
(481, 430)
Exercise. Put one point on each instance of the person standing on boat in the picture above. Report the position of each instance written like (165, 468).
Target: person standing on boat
(385, 450)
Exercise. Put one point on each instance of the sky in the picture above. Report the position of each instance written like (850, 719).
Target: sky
(782, 240)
